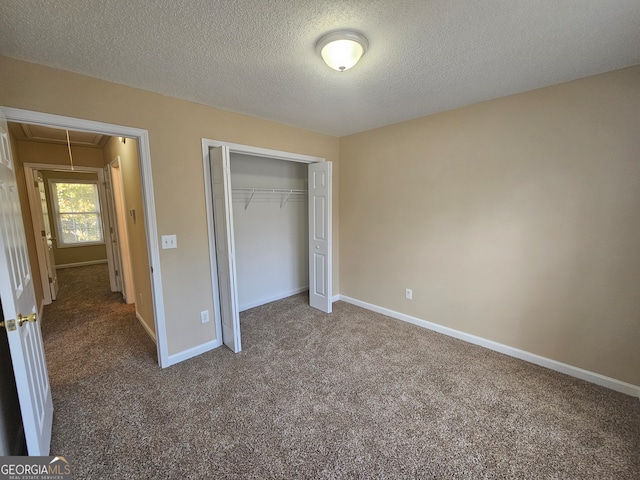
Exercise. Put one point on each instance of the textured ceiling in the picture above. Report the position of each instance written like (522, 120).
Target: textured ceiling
(257, 56)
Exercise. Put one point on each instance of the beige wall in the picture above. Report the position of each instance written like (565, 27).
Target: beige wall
(75, 254)
(515, 220)
(176, 128)
(136, 231)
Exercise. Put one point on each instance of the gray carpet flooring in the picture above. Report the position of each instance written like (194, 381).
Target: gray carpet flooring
(353, 394)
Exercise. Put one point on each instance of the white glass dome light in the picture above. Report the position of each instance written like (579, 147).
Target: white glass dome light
(342, 50)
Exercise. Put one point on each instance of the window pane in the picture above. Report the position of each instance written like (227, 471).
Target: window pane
(77, 197)
(80, 227)
(78, 212)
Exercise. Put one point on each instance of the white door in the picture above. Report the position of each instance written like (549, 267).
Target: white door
(18, 298)
(320, 236)
(115, 270)
(225, 250)
(47, 237)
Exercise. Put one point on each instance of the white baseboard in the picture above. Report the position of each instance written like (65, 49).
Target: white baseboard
(570, 370)
(192, 352)
(150, 332)
(264, 301)
(80, 264)
(335, 298)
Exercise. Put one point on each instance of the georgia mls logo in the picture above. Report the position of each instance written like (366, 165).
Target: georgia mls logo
(35, 468)
(61, 468)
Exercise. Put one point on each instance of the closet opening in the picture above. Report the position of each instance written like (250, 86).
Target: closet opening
(269, 217)
(270, 224)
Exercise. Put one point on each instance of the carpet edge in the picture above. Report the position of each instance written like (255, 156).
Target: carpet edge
(582, 374)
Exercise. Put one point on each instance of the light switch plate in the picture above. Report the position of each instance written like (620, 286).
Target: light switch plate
(169, 241)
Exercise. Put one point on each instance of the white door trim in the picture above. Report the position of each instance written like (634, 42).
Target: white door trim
(260, 152)
(206, 165)
(37, 223)
(144, 153)
(115, 279)
(208, 195)
(126, 274)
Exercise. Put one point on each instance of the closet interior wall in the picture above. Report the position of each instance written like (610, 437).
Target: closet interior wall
(270, 219)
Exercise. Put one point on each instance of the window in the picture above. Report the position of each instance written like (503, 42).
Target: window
(77, 212)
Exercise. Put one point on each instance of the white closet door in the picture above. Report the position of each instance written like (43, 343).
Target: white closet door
(225, 250)
(320, 236)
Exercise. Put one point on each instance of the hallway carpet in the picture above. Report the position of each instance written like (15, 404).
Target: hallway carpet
(353, 394)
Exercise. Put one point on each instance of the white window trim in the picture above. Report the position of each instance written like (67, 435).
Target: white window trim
(56, 213)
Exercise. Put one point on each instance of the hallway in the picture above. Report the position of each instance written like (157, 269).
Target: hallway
(89, 328)
(90, 335)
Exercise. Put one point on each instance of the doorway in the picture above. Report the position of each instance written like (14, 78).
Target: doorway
(80, 200)
(44, 184)
(216, 162)
(148, 205)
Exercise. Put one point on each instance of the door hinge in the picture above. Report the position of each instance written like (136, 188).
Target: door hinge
(50, 280)
(35, 183)
(117, 274)
(43, 233)
(111, 229)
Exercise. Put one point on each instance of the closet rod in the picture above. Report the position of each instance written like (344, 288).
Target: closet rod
(286, 191)
(271, 190)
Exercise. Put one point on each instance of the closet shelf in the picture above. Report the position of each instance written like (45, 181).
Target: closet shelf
(285, 193)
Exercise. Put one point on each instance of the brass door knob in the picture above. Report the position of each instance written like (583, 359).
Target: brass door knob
(28, 318)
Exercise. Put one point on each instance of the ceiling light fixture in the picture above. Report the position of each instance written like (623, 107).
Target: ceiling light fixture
(341, 50)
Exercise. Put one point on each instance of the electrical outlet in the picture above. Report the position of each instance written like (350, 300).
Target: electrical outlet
(204, 316)
(408, 294)
(169, 241)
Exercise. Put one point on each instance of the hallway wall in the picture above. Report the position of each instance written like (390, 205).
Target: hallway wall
(136, 230)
